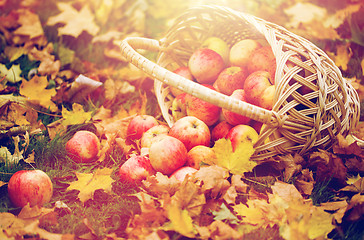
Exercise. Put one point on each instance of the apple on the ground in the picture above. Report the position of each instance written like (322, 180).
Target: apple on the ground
(242, 133)
(180, 174)
(221, 130)
(179, 107)
(232, 117)
(30, 186)
(219, 46)
(152, 133)
(205, 111)
(191, 131)
(136, 169)
(263, 59)
(185, 72)
(200, 155)
(241, 52)
(259, 90)
(205, 65)
(139, 125)
(167, 154)
(230, 79)
(83, 147)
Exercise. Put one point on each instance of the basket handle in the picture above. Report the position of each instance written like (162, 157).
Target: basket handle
(157, 72)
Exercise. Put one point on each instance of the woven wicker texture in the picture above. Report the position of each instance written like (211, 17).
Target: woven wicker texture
(297, 122)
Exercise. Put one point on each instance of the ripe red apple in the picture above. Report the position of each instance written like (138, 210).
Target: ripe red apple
(184, 72)
(139, 125)
(231, 78)
(205, 111)
(152, 133)
(232, 117)
(179, 107)
(30, 186)
(242, 133)
(221, 130)
(167, 154)
(181, 173)
(83, 147)
(263, 59)
(259, 89)
(205, 65)
(136, 169)
(241, 52)
(191, 131)
(200, 155)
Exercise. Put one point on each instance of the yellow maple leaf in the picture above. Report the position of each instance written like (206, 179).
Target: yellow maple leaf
(12, 74)
(36, 93)
(75, 21)
(87, 183)
(238, 161)
(181, 221)
(76, 116)
(353, 179)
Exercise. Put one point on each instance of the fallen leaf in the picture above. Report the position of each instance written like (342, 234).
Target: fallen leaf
(76, 116)
(75, 21)
(12, 75)
(338, 209)
(238, 161)
(87, 183)
(356, 187)
(30, 24)
(225, 214)
(181, 221)
(36, 92)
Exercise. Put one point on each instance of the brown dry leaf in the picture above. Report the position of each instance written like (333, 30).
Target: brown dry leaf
(305, 182)
(286, 191)
(160, 184)
(237, 186)
(16, 114)
(87, 183)
(36, 93)
(189, 197)
(355, 208)
(213, 180)
(356, 187)
(220, 230)
(291, 165)
(338, 209)
(30, 24)
(342, 56)
(30, 158)
(75, 21)
(48, 65)
(14, 227)
(139, 107)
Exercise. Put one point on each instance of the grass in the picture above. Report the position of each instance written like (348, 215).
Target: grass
(322, 193)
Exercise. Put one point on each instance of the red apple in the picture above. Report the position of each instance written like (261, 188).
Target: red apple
(241, 52)
(184, 72)
(30, 186)
(139, 125)
(221, 130)
(242, 133)
(136, 169)
(191, 131)
(205, 65)
(200, 155)
(152, 133)
(259, 89)
(263, 59)
(179, 107)
(181, 173)
(205, 111)
(83, 147)
(167, 154)
(232, 117)
(230, 79)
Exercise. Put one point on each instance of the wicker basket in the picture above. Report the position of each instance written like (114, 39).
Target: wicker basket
(297, 122)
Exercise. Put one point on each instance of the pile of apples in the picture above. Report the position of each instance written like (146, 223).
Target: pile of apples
(245, 72)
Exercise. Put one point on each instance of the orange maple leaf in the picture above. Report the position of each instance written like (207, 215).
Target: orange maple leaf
(30, 24)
